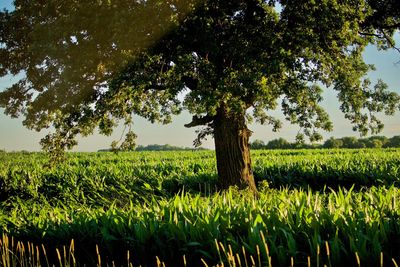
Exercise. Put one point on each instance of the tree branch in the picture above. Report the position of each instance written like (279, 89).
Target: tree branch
(197, 121)
(157, 87)
(370, 34)
(383, 36)
(390, 41)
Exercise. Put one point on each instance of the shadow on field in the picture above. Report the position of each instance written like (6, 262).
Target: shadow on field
(315, 178)
(101, 190)
(325, 176)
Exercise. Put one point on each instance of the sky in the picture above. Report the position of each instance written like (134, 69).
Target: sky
(14, 136)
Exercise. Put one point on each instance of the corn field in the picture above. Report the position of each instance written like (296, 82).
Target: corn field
(316, 208)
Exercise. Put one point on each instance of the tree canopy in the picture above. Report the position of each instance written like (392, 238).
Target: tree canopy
(89, 64)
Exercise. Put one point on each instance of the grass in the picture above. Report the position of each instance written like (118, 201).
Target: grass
(316, 208)
(30, 255)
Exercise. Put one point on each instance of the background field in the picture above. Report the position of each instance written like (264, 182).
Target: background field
(330, 207)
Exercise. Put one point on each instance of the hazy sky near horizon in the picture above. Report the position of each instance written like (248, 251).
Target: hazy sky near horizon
(13, 135)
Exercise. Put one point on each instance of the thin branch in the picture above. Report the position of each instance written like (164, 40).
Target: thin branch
(384, 36)
(390, 41)
(370, 34)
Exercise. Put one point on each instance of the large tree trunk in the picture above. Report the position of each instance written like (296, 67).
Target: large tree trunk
(231, 137)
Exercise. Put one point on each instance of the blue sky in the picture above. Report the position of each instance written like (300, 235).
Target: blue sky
(13, 136)
(7, 4)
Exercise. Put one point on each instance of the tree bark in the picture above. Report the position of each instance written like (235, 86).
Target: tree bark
(231, 137)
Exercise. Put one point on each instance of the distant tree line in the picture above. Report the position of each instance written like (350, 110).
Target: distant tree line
(370, 142)
(165, 147)
(344, 142)
(156, 147)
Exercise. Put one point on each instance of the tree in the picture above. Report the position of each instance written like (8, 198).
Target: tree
(279, 143)
(257, 144)
(352, 142)
(393, 142)
(333, 143)
(374, 141)
(88, 64)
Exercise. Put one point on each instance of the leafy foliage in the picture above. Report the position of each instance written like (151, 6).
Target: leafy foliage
(232, 54)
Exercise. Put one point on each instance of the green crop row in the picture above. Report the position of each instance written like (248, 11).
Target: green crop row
(94, 178)
(331, 168)
(282, 224)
